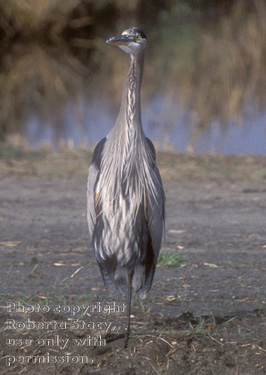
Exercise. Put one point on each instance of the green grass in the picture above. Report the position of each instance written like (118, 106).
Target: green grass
(8, 151)
(200, 328)
(170, 259)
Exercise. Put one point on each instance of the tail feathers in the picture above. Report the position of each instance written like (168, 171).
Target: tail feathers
(118, 280)
(114, 280)
(121, 279)
(144, 291)
(148, 279)
(140, 284)
(108, 279)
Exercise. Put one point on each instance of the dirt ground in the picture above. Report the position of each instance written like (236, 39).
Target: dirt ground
(206, 313)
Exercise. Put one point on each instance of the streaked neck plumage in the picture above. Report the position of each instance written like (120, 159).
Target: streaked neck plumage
(130, 110)
(127, 157)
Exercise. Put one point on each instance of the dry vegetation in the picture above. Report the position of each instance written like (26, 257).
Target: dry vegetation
(233, 66)
(218, 73)
(37, 80)
(73, 164)
(27, 16)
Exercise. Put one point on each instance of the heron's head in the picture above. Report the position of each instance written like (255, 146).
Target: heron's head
(132, 41)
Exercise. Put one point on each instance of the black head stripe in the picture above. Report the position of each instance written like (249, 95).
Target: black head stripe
(141, 33)
(136, 30)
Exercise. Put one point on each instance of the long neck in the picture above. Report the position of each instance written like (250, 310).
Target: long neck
(130, 110)
(125, 156)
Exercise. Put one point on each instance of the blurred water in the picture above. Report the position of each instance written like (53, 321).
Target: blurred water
(236, 139)
(198, 80)
(98, 120)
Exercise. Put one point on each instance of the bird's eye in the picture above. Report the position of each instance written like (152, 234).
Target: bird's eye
(137, 37)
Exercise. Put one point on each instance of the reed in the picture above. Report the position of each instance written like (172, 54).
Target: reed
(222, 78)
(38, 84)
(27, 16)
(216, 74)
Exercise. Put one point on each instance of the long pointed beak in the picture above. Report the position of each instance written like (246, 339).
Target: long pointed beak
(121, 39)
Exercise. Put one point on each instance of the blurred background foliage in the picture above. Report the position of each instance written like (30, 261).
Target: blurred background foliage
(206, 56)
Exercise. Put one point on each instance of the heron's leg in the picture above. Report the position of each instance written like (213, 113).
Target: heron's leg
(130, 277)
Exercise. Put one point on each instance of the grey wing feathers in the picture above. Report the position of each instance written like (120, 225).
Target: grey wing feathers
(94, 171)
(91, 215)
(156, 208)
(155, 216)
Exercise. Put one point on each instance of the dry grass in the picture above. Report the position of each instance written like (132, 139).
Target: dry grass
(28, 16)
(73, 164)
(38, 81)
(221, 76)
(235, 65)
(217, 79)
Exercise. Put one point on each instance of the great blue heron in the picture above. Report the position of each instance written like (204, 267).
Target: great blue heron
(125, 201)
